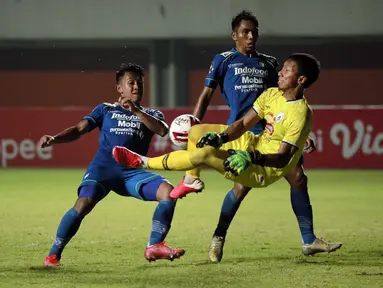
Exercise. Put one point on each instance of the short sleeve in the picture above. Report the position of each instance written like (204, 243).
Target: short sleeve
(158, 115)
(298, 129)
(273, 74)
(96, 117)
(216, 72)
(259, 104)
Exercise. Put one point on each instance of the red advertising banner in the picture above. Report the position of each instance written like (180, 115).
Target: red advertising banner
(345, 137)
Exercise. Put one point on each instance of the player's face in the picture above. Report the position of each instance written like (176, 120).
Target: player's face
(288, 77)
(246, 36)
(131, 87)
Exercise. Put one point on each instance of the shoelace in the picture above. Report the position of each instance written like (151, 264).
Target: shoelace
(217, 243)
(322, 241)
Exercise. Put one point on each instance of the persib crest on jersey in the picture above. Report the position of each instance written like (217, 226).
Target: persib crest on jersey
(211, 67)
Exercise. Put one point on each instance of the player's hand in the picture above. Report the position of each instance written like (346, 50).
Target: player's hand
(129, 105)
(211, 139)
(237, 161)
(309, 146)
(46, 141)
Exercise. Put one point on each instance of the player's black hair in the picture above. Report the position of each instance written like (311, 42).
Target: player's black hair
(308, 66)
(244, 15)
(130, 67)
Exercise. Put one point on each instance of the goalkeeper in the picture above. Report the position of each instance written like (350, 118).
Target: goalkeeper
(253, 160)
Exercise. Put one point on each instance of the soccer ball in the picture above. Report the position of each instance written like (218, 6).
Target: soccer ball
(179, 130)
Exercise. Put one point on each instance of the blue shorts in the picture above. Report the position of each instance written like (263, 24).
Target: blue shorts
(99, 180)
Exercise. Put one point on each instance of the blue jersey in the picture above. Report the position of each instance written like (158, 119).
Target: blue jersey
(242, 79)
(120, 127)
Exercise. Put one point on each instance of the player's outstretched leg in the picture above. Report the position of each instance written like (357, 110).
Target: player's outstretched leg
(70, 224)
(174, 161)
(230, 205)
(191, 182)
(161, 222)
(300, 202)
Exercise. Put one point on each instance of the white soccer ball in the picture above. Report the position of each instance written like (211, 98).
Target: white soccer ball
(179, 130)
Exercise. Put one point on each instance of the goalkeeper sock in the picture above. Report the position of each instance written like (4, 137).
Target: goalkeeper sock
(300, 201)
(195, 173)
(230, 206)
(177, 160)
(184, 160)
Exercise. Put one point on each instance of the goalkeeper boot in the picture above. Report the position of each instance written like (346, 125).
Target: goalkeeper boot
(188, 185)
(216, 248)
(161, 251)
(318, 246)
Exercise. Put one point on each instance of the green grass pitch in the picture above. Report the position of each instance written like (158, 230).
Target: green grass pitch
(263, 247)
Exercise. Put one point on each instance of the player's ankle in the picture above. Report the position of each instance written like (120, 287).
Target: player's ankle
(144, 161)
(220, 233)
(189, 179)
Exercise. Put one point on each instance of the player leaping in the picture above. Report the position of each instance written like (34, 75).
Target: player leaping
(255, 161)
(243, 74)
(132, 127)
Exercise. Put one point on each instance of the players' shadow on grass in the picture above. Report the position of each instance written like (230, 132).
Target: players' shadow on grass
(231, 261)
(51, 270)
(240, 260)
(38, 269)
(368, 259)
(369, 274)
(237, 260)
(90, 276)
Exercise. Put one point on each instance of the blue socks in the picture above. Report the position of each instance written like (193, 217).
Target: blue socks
(162, 219)
(67, 229)
(230, 206)
(300, 201)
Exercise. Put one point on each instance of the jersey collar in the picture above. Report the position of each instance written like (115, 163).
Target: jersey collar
(254, 55)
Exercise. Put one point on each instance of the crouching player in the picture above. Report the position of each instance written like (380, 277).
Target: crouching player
(104, 174)
(254, 161)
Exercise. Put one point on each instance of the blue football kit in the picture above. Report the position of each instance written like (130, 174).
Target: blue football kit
(242, 79)
(119, 127)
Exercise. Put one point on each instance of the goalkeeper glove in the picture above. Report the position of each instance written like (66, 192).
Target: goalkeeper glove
(239, 160)
(212, 139)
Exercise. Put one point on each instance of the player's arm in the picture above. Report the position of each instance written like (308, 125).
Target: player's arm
(233, 132)
(277, 160)
(212, 80)
(68, 135)
(238, 128)
(239, 160)
(87, 124)
(203, 102)
(297, 131)
(252, 117)
(154, 124)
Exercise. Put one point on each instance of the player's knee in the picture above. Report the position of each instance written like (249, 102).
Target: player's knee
(163, 192)
(195, 133)
(84, 205)
(201, 156)
(297, 178)
(240, 191)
